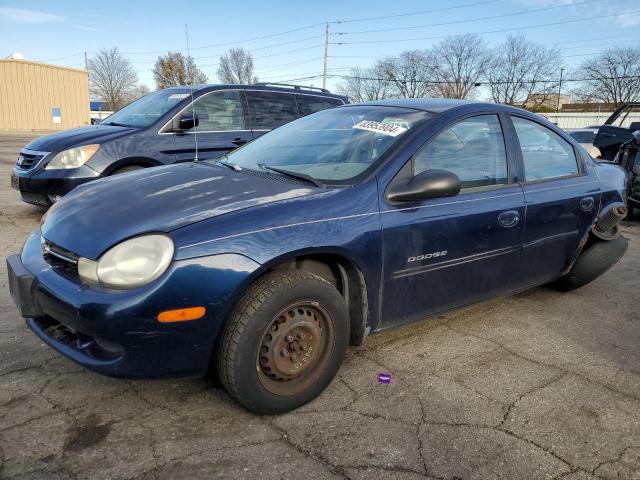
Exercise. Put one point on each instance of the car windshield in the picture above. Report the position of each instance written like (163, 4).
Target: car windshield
(146, 110)
(583, 136)
(332, 145)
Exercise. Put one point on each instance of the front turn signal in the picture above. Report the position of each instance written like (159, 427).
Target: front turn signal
(181, 314)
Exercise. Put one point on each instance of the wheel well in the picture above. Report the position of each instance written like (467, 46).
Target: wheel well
(127, 162)
(347, 279)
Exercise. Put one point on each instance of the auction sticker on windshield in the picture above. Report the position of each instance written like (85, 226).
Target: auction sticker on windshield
(377, 127)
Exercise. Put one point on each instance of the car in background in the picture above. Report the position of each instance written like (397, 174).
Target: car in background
(585, 137)
(166, 126)
(266, 263)
(628, 157)
(618, 129)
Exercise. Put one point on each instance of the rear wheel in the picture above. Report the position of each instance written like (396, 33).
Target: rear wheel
(284, 341)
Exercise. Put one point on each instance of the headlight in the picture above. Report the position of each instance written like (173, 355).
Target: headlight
(130, 264)
(72, 158)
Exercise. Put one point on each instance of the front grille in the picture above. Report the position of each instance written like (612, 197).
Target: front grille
(27, 160)
(62, 260)
(76, 340)
(37, 199)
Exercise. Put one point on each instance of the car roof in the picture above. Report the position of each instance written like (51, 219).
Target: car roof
(270, 87)
(435, 105)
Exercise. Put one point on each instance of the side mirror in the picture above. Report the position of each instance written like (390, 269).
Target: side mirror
(185, 121)
(428, 184)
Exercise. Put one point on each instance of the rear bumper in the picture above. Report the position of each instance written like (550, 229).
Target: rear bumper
(116, 332)
(37, 184)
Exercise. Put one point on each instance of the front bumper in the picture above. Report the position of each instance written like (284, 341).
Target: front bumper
(116, 332)
(37, 185)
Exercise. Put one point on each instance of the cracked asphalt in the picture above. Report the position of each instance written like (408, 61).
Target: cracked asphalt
(539, 385)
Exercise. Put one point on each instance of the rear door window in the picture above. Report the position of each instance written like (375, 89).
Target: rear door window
(545, 153)
(308, 104)
(268, 110)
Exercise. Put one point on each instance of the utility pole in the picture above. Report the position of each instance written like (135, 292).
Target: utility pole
(86, 63)
(326, 56)
(559, 89)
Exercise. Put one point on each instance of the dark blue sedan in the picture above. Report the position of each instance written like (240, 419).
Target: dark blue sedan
(264, 265)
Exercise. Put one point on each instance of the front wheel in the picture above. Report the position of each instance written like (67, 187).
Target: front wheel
(128, 168)
(284, 341)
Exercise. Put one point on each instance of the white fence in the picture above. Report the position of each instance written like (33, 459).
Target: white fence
(100, 115)
(581, 120)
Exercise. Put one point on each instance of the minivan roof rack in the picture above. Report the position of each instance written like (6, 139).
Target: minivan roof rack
(296, 87)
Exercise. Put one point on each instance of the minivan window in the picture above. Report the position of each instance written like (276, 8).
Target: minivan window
(308, 104)
(472, 148)
(218, 111)
(146, 110)
(268, 110)
(333, 145)
(545, 153)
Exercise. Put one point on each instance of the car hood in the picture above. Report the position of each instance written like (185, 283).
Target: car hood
(76, 137)
(97, 215)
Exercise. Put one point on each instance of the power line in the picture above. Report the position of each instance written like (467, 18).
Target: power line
(483, 83)
(419, 12)
(479, 19)
(593, 46)
(592, 39)
(63, 58)
(262, 37)
(527, 27)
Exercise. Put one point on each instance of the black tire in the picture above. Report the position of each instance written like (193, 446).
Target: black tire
(598, 257)
(128, 168)
(267, 305)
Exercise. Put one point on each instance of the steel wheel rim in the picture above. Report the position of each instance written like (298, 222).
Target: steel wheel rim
(294, 348)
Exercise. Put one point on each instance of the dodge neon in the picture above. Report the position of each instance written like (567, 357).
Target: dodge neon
(264, 265)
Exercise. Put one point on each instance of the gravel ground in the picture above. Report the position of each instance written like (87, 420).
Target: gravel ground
(539, 385)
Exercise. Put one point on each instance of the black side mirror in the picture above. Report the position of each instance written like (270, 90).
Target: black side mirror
(428, 184)
(185, 121)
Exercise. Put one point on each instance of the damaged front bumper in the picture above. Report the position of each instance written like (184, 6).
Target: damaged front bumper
(116, 332)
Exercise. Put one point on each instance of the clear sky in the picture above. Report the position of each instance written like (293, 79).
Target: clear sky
(293, 32)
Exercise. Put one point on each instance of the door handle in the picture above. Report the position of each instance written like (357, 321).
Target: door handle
(509, 218)
(238, 141)
(586, 203)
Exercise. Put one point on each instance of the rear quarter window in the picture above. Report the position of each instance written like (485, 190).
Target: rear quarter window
(308, 104)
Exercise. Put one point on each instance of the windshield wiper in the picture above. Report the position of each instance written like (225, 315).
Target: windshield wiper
(298, 175)
(232, 166)
(116, 124)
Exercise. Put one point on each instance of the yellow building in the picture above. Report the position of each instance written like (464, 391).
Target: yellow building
(38, 96)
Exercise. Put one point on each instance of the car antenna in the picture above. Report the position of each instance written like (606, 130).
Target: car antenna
(193, 109)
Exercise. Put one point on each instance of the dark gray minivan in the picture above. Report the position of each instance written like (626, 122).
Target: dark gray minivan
(158, 129)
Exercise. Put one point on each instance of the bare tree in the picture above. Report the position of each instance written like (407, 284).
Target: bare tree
(175, 69)
(612, 76)
(137, 92)
(364, 84)
(522, 71)
(460, 62)
(111, 77)
(236, 67)
(410, 73)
